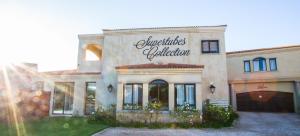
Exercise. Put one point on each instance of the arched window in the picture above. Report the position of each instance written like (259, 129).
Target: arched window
(259, 64)
(93, 52)
(159, 92)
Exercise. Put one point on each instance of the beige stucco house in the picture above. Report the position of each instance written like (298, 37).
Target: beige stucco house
(265, 79)
(170, 65)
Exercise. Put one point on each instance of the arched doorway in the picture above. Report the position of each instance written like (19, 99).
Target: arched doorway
(159, 92)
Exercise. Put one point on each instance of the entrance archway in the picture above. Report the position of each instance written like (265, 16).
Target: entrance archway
(159, 92)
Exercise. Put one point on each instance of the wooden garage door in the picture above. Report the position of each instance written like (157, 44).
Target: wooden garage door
(265, 101)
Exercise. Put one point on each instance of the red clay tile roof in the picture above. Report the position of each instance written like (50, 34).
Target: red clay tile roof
(69, 72)
(151, 65)
(263, 49)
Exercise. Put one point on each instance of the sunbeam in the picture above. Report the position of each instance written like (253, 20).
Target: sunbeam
(16, 117)
(47, 79)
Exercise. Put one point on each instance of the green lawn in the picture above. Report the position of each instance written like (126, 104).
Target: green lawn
(56, 126)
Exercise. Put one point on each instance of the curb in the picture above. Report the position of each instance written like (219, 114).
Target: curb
(102, 131)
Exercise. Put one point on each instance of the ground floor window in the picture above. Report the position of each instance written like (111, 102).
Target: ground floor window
(63, 98)
(133, 96)
(159, 92)
(90, 98)
(185, 93)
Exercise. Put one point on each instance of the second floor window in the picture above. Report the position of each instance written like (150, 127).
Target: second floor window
(259, 64)
(247, 66)
(273, 64)
(210, 46)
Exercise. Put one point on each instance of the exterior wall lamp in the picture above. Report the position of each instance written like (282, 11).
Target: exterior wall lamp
(110, 88)
(212, 88)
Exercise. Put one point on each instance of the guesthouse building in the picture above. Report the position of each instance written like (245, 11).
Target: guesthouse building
(173, 66)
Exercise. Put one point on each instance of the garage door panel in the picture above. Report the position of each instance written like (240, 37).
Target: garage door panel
(265, 101)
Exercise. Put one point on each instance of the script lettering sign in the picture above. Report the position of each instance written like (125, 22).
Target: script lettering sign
(163, 47)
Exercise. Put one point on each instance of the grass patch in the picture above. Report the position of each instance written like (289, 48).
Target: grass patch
(56, 126)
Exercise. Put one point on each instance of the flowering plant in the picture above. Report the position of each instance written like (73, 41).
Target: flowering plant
(187, 113)
(152, 110)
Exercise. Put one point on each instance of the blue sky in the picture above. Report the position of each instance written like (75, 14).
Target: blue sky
(45, 32)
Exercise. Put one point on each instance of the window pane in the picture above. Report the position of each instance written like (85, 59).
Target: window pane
(190, 90)
(247, 66)
(159, 92)
(128, 94)
(153, 92)
(262, 63)
(214, 46)
(273, 65)
(205, 46)
(164, 96)
(68, 108)
(180, 94)
(255, 65)
(63, 98)
(140, 96)
(90, 99)
(135, 94)
(58, 104)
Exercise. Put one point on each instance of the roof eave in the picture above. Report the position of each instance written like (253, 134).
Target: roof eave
(187, 28)
(263, 50)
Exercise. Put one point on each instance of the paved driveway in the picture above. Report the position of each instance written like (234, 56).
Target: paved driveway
(249, 124)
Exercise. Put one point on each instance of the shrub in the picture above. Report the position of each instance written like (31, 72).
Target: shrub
(151, 111)
(107, 116)
(153, 106)
(132, 107)
(187, 115)
(216, 116)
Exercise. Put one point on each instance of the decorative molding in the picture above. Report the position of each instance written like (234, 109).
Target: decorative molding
(263, 51)
(90, 36)
(191, 29)
(163, 71)
(244, 81)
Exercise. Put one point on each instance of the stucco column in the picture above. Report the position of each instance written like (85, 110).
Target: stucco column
(145, 94)
(233, 97)
(79, 97)
(171, 96)
(49, 86)
(198, 97)
(297, 96)
(120, 96)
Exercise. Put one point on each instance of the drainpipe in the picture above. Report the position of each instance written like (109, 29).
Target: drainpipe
(230, 94)
(297, 96)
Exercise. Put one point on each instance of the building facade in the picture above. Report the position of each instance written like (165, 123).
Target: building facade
(169, 65)
(265, 80)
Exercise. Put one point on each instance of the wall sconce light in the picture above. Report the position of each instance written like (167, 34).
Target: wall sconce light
(212, 88)
(110, 88)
